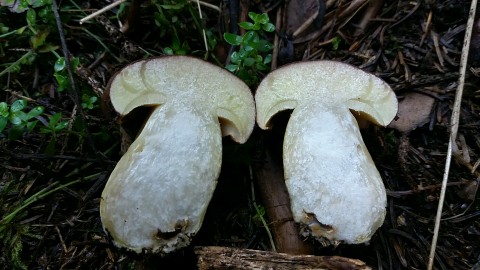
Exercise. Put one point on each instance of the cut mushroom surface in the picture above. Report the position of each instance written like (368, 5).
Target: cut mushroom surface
(157, 195)
(329, 173)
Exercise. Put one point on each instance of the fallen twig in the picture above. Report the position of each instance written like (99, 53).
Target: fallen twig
(239, 259)
(73, 88)
(454, 129)
(271, 185)
(102, 10)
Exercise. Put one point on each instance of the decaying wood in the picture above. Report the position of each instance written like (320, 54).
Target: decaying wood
(271, 185)
(238, 259)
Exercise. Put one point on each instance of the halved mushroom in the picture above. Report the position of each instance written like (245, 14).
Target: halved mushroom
(335, 189)
(157, 195)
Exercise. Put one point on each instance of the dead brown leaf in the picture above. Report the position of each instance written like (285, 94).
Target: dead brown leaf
(413, 111)
(303, 14)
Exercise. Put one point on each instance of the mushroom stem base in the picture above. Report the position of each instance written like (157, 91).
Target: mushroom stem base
(157, 195)
(335, 189)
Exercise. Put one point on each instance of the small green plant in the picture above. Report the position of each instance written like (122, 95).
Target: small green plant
(14, 234)
(61, 75)
(88, 102)
(176, 19)
(176, 48)
(254, 53)
(19, 119)
(54, 124)
(39, 19)
(260, 218)
(19, 6)
(336, 41)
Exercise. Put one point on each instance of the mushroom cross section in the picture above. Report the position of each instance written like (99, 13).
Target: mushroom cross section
(335, 189)
(157, 195)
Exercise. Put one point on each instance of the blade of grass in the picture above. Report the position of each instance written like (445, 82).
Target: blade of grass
(16, 63)
(42, 194)
(35, 197)
(454, 128)
(257, 209)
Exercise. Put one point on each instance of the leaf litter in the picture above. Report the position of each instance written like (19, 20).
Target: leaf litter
(415, 46)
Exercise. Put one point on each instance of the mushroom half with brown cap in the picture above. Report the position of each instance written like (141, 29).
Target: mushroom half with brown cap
(335, 189)
(157, 195)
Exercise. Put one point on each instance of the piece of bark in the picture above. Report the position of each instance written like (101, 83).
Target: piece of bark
(414, 111)
(275, 198)
(238, 259)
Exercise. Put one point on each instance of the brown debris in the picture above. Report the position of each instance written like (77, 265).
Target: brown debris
(414, 110)
(271, 184)
(243, 259)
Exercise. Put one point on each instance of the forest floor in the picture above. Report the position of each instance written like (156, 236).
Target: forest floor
(60, 140)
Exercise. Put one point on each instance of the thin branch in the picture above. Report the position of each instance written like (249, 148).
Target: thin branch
(399, 193)
(102, 10)
(203, 28)
(305, 25)
(208, 5)
(73, 88)
(454, 129)
(278, 22)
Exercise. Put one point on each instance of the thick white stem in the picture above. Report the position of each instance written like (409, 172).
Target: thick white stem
(331, 176)
(157, 195)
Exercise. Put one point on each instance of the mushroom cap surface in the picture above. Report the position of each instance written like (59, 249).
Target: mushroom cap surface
(326, 82)
(186, 81)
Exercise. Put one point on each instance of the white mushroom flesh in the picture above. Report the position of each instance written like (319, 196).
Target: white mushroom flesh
(329, 173)
(181, 149)
(335, 189)
(157, 195)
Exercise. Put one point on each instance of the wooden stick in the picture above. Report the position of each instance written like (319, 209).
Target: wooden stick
(275, 198)
(454, 129)
(242, 259)
(103, 10)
